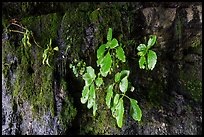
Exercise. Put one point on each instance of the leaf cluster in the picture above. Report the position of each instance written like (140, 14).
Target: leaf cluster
(89, 90)
(79, 68)
(107, 55)
(106, 52)
(114, 98)
(48, 52)
(148, 58)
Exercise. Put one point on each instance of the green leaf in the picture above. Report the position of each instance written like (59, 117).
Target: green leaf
(151, 59)
(99, 61)
(106, 65)
(108, 44)
(109, 35)
(116, 98)
(142, 53)
(91, 72)
(117, 77)
(109, 95)
(24, 40)
(120, 112)
(114, 43)
(151, 41)
(135, 110)
(94, 108)
(56, 48)
(123, 84)
(141, 47)
(85, 94)
(28, 41)
(142, 62)
(120, 54)
(100, 51)
(50, 42)
(47, 62)
(92, 96)
(87, 78)
(99, 82)
(70, 65)
(124, 73)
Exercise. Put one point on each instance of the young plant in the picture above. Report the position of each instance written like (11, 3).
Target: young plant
(79, 69)
(148, 58)
(115, 103)
(108, 56)
(27, 34)
(48, 52)
(107, 50)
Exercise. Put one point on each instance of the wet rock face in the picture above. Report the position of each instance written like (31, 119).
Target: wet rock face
(170, 96)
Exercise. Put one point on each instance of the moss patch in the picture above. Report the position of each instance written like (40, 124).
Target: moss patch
(192, 85)
(68, 111)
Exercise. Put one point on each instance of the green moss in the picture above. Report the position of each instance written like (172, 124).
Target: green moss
(48, 25)
(73, 24)
(192, 85)
(178, 29)
(196, 42)
(5, 23)
(25, 6)
(103, 122)
(68, 111)
(155, 94)
(195, 89)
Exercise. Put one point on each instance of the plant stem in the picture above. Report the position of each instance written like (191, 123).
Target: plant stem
(35, 41)
(18, 25)
(125, 96)
(17, 31)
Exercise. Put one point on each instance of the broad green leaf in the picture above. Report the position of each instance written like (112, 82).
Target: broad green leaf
(117, 77)
(120, 54)
(56, 48)
(109, 95)
(91, 72)
(142, 53)
(151, 41)
(135, 110)
(99, 81)
(108, 44)
(70, 65)
(120, 112)
(142, 62)
(100, 51)
(113, 110)
(141, 47)
(123, 85)
(87, 78)
(124, 73)
(99, 61)
(92, 96)
(106, 65)
(114, 43)
(94, 108)
(115, 100)
(151, 59)
(109, 35)
(85, 94)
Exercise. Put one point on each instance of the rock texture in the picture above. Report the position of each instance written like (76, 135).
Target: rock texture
(38, 100)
